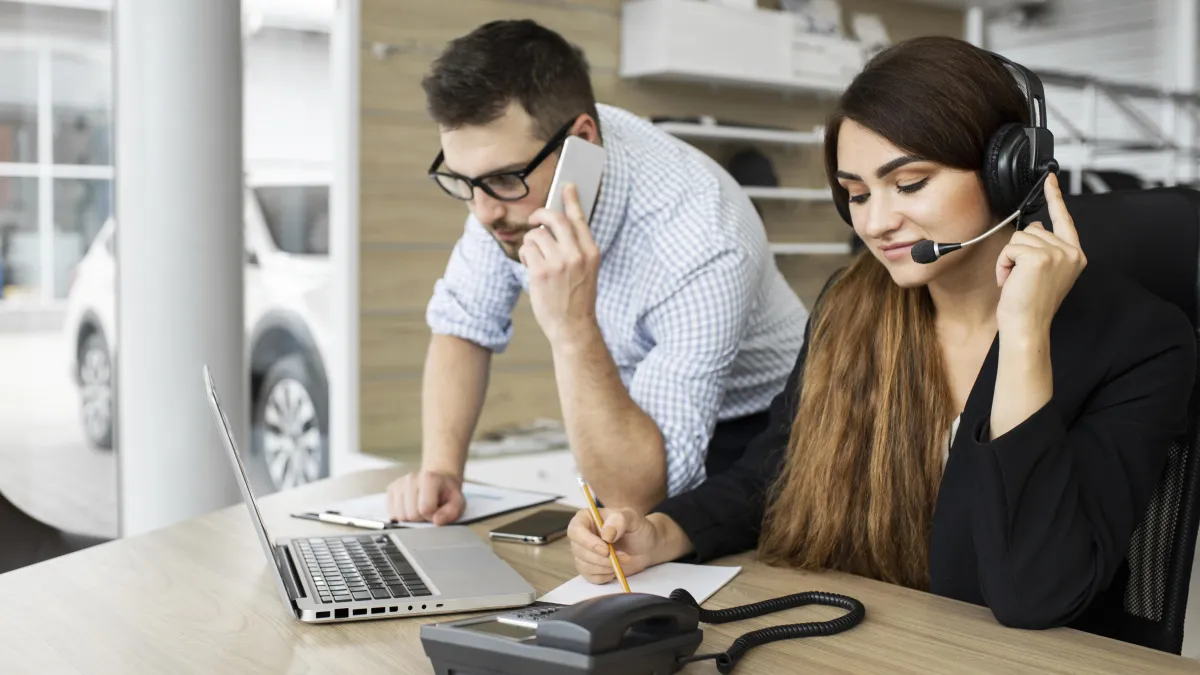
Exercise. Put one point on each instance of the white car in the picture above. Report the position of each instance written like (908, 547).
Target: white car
(287, 284)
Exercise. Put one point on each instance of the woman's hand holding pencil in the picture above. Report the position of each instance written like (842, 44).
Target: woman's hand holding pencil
(638, 541)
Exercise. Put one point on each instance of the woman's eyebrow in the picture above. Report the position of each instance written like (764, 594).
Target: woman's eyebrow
(884, 169)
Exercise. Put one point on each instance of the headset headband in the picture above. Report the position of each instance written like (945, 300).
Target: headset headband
(1041, 143)
(1031, 86)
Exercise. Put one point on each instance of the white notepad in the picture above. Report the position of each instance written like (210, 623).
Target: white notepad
(699, 580)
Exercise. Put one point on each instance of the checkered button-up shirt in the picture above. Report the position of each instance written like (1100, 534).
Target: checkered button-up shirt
(696, 315)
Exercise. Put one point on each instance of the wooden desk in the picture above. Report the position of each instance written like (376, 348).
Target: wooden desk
(197, 598)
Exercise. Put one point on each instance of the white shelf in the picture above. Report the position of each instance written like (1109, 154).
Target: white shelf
(820, 248)
(714, 44)
(967, 4)
(727, 132)
(789, 194)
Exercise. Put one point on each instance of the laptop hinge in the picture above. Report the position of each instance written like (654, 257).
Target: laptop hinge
(287, 572)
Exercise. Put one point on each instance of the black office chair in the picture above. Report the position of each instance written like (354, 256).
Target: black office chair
(1153, 236)
(27, 540)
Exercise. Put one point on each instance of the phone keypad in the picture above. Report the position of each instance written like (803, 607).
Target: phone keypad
(527, 618)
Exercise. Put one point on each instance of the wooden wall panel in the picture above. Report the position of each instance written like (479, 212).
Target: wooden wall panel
(430, 24)
(391, 407)
(394, 344)
(408, 226)
(402, 149)
(807, 274)
(790, 222)
(393, 84)
(397, 279)
(406, 210)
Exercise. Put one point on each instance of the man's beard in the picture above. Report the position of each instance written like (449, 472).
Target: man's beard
(511, 249)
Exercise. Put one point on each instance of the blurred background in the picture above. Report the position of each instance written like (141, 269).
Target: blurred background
(58, 259)
(344, 235)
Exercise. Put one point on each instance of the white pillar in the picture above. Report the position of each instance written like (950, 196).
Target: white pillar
(178, 113)
(344, 53)
(1091, 130)
(973, 27)
(47, 278)
(345, 49)
(1187, 15)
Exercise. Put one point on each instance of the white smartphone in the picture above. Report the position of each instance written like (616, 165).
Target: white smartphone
(581, 163)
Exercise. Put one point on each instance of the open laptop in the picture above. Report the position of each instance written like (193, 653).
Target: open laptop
(434, 570)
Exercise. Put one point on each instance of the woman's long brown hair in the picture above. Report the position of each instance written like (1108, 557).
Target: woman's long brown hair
(864, 462)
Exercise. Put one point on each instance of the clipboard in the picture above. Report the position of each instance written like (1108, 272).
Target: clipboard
(483, 502)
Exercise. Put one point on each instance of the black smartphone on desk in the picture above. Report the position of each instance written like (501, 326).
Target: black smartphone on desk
(537, 528)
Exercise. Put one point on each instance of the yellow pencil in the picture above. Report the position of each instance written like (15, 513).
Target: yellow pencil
(612, 552)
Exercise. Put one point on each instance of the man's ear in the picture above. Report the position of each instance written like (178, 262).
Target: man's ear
(585, 128)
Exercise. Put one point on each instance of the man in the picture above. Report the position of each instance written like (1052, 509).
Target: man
(665, 313)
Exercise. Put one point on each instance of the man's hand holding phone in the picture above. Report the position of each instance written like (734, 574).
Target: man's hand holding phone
(564, 263)
(432, 496)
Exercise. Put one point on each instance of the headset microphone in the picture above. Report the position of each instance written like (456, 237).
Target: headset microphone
(927, 251)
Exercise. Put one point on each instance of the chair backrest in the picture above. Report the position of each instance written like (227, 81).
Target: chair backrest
(1153, 236)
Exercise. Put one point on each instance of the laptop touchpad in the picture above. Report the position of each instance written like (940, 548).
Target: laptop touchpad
(460, 572)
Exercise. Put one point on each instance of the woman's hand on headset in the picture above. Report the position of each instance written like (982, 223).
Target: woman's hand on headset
(639, 541)
(1037, 269)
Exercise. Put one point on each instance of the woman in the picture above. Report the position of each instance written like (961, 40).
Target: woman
(989, 426)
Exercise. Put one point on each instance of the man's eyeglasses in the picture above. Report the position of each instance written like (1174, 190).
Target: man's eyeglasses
(506, 186)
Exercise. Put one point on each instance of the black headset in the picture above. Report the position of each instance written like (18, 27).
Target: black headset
(1017, 155)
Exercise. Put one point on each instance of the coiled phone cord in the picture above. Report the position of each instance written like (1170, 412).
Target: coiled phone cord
(727, 660)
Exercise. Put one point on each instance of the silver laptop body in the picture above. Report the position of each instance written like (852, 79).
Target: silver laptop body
(434, 570)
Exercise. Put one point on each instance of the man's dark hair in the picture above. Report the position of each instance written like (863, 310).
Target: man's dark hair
(480, 73)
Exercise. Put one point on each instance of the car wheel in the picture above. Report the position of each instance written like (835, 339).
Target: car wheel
(290, 429)
(96, 391)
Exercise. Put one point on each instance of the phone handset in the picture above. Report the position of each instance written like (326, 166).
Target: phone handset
(604, 624)
(625, 620)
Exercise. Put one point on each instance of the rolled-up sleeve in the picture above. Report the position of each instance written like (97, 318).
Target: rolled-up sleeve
(475, 297)
(680, 384)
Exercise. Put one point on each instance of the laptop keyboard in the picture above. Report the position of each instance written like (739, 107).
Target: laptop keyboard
(351, 569)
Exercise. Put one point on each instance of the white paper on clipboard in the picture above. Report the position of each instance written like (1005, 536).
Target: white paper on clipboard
(483, 501)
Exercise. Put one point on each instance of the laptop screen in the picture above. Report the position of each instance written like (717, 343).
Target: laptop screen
(239, 471)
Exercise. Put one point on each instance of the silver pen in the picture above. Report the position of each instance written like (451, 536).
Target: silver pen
(339, 519)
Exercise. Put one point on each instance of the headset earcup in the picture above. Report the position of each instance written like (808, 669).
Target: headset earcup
(1001, 168)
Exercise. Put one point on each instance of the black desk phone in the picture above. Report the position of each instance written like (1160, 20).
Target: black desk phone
(622, 634)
